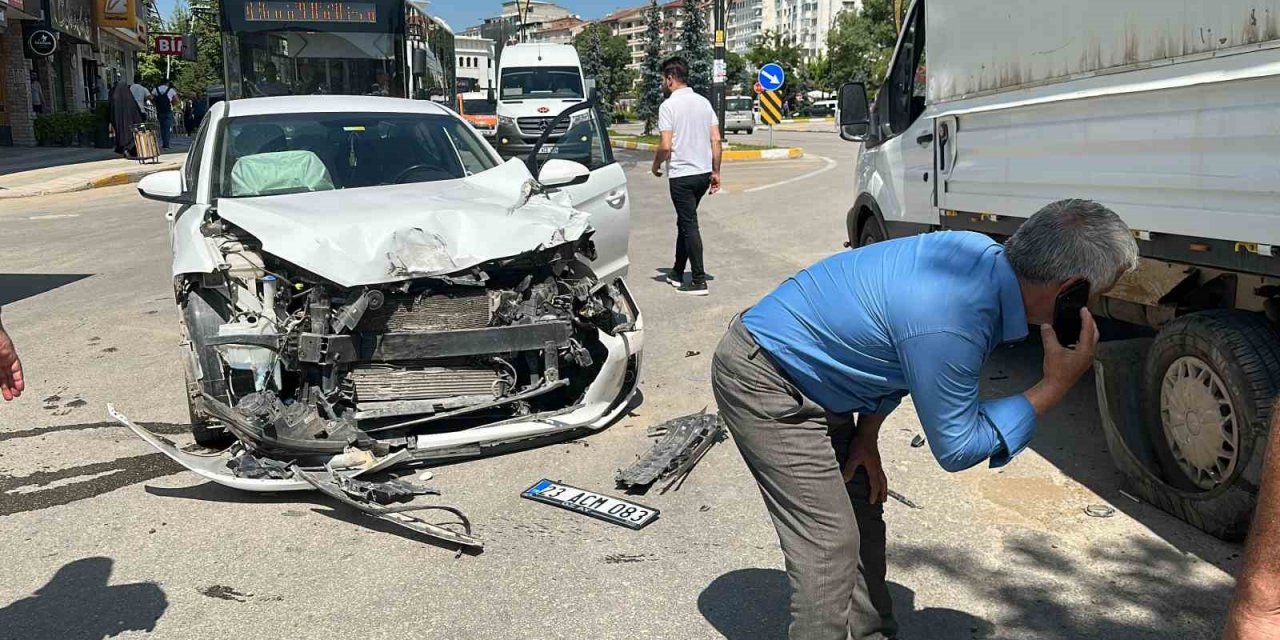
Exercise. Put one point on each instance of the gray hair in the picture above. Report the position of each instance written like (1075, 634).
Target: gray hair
(1073, 239)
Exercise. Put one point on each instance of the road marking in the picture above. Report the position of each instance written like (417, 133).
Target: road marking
(831, 164)
(55, 216)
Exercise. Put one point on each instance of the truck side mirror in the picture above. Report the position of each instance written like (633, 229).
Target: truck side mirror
(854, 117)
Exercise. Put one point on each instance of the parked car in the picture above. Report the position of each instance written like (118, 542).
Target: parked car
(738, 115)
(481, 111)
(365, 279)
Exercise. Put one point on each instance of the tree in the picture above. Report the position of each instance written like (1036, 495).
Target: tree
(861, 43)
(605, 57)
(651, 69)
(696, 46)
(737, 73)
(772, 46)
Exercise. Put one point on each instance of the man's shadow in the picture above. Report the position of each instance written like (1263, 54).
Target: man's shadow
(754, 603)
(78, 604)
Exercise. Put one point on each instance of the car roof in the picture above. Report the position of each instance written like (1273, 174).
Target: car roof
(329, 104)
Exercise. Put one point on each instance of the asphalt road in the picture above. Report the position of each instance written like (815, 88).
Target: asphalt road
(104, 537)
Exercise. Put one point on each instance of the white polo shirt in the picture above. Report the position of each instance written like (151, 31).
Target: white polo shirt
(689, 117)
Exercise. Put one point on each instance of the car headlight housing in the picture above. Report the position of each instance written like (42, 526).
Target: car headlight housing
(507, 120)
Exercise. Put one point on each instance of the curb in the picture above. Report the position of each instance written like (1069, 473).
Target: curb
(71, 185)
(832, 120)
(731, 155)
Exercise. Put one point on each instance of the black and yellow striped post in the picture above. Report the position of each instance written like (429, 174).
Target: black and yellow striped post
(770, 111)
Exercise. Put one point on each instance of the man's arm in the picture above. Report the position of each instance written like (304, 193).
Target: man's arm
(1255, 611)
(11, 383)
(715, 158)
(664, 151)
(942, 371)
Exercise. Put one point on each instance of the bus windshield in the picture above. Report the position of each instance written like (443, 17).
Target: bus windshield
(277, 63)
(479, 107)
(523, 83)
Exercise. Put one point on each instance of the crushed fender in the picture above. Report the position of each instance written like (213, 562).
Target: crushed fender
(683, 442)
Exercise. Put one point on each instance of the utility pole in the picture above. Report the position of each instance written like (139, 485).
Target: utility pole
(718, 65)
(897, 16)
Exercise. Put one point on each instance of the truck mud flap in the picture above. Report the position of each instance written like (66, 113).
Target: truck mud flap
(684, 441)
(326, 483)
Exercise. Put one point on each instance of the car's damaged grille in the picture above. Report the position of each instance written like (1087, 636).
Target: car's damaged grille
(424, 380)
(466, 309)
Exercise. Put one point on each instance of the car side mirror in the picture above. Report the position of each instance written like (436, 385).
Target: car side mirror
(165, 186)
(854, 118)
(563, 173)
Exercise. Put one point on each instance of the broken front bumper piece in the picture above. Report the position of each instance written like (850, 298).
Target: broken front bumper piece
(684, 441)
(389, 501)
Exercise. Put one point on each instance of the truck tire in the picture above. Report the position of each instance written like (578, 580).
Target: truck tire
(871, 232)
(1210, 380)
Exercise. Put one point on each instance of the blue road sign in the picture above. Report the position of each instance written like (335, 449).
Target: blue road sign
(771, 76)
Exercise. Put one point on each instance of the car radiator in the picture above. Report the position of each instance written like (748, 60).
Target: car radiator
(424, 380)
(465, 309)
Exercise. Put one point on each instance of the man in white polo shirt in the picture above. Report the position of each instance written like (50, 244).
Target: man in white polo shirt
(691, 138)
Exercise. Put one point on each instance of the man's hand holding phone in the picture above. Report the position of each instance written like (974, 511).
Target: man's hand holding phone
(1063, 366)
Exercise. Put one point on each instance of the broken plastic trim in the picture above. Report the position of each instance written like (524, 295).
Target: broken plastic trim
(684, 441)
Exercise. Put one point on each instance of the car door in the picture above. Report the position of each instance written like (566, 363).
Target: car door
(603, 195)
(909, 151)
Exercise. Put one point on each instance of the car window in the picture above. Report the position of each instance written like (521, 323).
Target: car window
(583, 142)
(541, 82)
(343, 151)
(479, 107)
(738, 104)
(191, 169)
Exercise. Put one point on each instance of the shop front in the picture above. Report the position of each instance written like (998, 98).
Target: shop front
(17, 19)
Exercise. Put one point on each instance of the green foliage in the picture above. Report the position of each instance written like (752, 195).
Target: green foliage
(738, 74)
(189, 77)
(64, 127)
(772, 46)
(861, 43)
(815, 75)
(695, 46)
(605, 57)
(651, 69)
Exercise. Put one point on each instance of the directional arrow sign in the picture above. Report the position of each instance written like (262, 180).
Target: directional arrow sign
(771, 76)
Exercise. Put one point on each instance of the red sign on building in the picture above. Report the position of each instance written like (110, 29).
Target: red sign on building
(167, 44)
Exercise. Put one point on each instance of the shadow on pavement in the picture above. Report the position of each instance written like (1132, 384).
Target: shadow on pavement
(754, 603)
(78, 604)
(18, 286)
(1070, 437)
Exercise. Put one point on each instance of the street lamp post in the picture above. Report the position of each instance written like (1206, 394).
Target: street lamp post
(718, 79)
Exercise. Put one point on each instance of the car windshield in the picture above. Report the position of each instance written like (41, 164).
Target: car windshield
(520, 83)
(479, 107)
(737, 104)
(297, 152)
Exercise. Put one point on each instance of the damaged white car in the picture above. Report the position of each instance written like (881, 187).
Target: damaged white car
(363, 283)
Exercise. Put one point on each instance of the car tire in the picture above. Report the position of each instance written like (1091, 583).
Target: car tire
(206, 432)
(1220, 369)
(750, 131)
(202, 312)
(871, 233)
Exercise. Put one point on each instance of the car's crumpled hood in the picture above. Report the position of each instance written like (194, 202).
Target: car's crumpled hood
(385, 234)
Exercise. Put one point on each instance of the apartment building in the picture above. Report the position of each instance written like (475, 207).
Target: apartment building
(807, 22)
(630, 24)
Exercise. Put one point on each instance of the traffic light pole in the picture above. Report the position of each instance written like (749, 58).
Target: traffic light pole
(718, 81)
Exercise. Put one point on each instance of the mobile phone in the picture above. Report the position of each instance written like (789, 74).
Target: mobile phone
(1066, 312)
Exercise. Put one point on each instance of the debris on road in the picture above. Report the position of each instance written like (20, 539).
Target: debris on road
(903, 499)
(684, 441)
(917, 441)
(610, 509)
(1130, 496)
(691, 353)
(1099, 511)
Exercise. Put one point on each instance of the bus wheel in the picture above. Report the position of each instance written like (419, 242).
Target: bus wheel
(1209, 383)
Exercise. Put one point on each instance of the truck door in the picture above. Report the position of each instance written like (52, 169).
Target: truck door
(604, 194)
(909, 151)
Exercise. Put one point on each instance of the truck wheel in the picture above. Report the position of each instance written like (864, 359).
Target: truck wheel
(871, 233)
(1210, 380)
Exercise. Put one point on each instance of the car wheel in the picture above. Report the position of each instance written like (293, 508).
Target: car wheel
(750, 131)
(202, 313)
(1209, 383)
(871, 233)
(206, 432)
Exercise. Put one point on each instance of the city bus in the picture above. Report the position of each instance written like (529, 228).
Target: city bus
(365, 47)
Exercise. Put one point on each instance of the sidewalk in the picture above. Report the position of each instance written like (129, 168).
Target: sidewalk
(36, 171)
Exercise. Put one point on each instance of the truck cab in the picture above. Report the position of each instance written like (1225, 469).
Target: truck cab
(985, 115)
(535, 83)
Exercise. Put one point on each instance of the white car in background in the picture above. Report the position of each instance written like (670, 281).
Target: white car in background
(364, 283)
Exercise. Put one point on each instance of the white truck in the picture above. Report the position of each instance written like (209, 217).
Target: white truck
(1166, 112)
(535, 83)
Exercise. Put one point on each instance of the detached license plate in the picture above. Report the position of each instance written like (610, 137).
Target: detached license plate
(627, 514)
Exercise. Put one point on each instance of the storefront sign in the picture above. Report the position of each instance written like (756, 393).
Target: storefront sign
(15, 4)
(116, 13)
(42, 42)
(72, 17)
(167, 44)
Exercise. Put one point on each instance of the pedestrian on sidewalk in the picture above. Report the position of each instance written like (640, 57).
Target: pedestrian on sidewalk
(691, 139)
(123, 113)
(805, 379)
(140, 93)
(188, 115)
(37, 94)
(163, 97)
(11, 384)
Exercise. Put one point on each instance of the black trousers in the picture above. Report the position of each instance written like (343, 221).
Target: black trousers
(686, 193)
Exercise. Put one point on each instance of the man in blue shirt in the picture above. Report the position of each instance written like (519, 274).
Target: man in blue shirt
(805, 378)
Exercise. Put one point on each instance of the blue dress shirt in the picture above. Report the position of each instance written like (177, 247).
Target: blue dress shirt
(859, 330)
